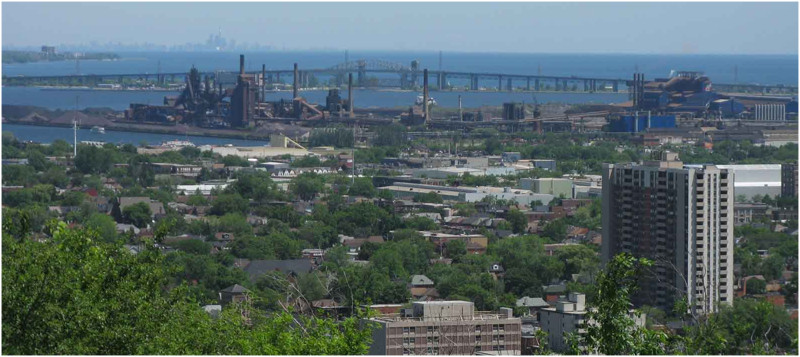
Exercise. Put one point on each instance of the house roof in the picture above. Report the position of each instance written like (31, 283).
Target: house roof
(127, 201)
(257, 268)
(375, 239)
(235, 289)
(532, 302)
(553, 289)
(418, 280)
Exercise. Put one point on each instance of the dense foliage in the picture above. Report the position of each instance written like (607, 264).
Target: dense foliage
(75, 295)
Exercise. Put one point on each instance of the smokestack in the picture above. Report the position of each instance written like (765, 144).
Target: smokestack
(350, 93)
(294, 86)
(425, 93)
(241, 65)
(263, 82)
(460, 114)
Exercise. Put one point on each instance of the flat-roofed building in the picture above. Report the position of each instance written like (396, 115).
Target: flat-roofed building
(558, 187)
(751, 180)
(569, 316)
(679, 217)
(446, 328)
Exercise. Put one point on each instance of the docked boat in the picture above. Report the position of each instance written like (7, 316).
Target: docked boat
(98, 129)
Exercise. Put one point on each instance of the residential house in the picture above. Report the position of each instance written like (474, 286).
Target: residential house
(292, 267)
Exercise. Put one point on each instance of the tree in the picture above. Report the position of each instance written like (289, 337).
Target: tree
(93, 160)
(229, 203)
(138, 214)
(254, 185)
(193, 246)
(37, 160)
(104, 225)
(141, 171)
(19, 175)
(362, 187)
(307, 185)
(751, 326)
(756, 286)
(519, 223)
(555, 230)
(456, 249)
(493, 146)
(82, 296)
(55, 176)
(578, 259)
(611, 330)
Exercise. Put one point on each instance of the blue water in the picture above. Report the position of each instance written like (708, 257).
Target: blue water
(44, 134)
(762, 69)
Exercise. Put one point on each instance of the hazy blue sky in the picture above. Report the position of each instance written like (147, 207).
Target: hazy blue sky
(729, 28)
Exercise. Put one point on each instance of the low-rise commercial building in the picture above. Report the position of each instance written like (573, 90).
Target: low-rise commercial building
(446, 328)
(569, 316)
(558, 187)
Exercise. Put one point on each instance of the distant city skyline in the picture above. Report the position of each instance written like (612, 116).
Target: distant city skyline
(648, 28)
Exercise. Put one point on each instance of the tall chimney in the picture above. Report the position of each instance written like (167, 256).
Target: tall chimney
(425, 93)
(241, 65)
(460, 113)
(350, 93)
(294, 86)
(263, 82)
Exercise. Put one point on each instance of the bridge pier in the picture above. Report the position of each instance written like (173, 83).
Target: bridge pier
(565, 87)
(615, 86)
(536, 84)
(499, 83)
(528, 84)
(473, 82)
(509, 85)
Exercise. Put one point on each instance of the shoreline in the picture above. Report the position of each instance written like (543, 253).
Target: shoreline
(132, 129)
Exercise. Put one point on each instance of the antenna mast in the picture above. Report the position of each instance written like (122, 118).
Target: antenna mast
(353, 181)
(75, 130)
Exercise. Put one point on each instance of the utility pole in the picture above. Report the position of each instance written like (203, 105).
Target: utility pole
(75, 130)
(353, 181)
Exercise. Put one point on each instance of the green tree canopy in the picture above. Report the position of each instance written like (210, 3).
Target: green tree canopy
(138, 214)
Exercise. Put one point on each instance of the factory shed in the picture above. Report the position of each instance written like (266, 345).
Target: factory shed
(728, 107)
(632, 124)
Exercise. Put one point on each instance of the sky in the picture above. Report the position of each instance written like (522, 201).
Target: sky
(648, 28)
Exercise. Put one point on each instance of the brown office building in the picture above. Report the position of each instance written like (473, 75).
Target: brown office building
(446, 328)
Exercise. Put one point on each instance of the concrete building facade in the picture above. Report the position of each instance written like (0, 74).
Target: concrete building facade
(446, 328)
(679, 217)
(569, 316)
